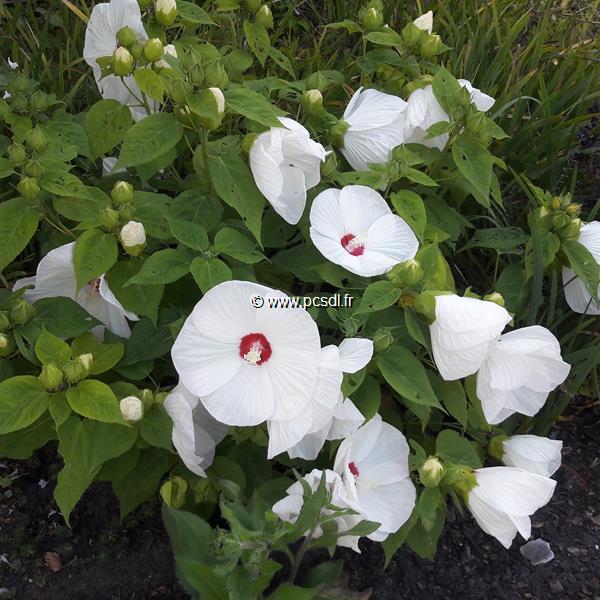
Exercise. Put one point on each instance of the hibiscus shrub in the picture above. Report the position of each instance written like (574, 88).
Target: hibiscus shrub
(287, 377)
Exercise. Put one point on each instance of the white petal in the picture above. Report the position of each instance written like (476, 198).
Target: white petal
(333, 250)
(533, 453)
(482, 101)
(391, 236)
(492, 521)
(283, 435)
(589, 236)
(425, 22)
(326, 216)
(358, 446)
(265, 169)
(346, 420)
(355, 354)
(577, 295)
(370, 109)
(292, 202)
(360, 207)
(107, 294)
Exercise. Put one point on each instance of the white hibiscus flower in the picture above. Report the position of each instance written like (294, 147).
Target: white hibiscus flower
(195, 432)
(375, 127)
(504, 499)
(55, 277)
(576, 292)
(106, 20)
(532, 453)
(355, 228)
(285, 163)
(248, 365)
(373, 464)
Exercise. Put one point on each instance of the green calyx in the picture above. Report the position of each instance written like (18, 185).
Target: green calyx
(496, 446)
(336, 133)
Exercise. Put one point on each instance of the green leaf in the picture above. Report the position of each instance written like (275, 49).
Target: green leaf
(95, 253)
(6, 168)
(424, 542)
(325, 573)
(452, 446)
(367, 398)
(192, 13)
(85, 445)
(63, 183)
(446, 89)
(150, 83)
(388, 37)
(584, 264)
(208, 272)
(475, 164)
(235, 185)
(191, 536)
(203, 579)
(503, 239)
(62, 130)
(60, 409)
(63, 317)
(377, 296)
(150, 139)
(106, 123)
(190, 234)
(146, 342)
(411, 208)
(289, 591)
(253, 106)
(419, 177)
(152, 210)
(395, 540)
(51, 349)
(452, 396)
(18, 222)
(156, 427)
(194, 207)
(258, 39)
(407, 376)
(235, 244)
(23, 400)
(143, 300)
(21, 444)
(164, 266)
(95, 400)
(428, 504)
(106, 356)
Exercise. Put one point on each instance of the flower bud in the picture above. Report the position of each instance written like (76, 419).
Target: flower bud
(36, 139)
(137, 51)
(372, 19)
(74, 371)
(7, 344)
(313, 101)
(19, 103)
(166, 12)
(122, 193)
(126, 36)
(215, 75)
(51, 377)
(410, 272)
(424, 22)
(424, 304)
(560, 220)
(86, 361)
(573, 210)
(153, 50)
(4, 320)
(496, 298)
(17, 154)
(160, 398)
(336, 133)
(39, 101)
(147, 398)
(122, 62)
(21, 311)
(264, 17)
(431, 472)
(571, 231)
(461, 478)
(20, 84)
(109, 218)
(28, 188)
(555, 204)
(34, 168)
(382, 339)
(173, 492)
(132, 409)
(496, 446)
(430, 46)
(133, 238)
(219, 98)
(179, 92)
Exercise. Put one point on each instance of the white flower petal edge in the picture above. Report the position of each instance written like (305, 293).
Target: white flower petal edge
(195, 432)
(376, 127)
(285, 163)
(461, 333)
(504, 499)
(55, 277)
(355, 228)
(519, 371)
(248, 365)
(533, 453)
(373, 464)
(576, 293)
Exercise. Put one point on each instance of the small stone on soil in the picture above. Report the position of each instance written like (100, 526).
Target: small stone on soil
(537, 552)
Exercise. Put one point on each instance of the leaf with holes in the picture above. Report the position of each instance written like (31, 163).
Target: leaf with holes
(164, 266)
(95, 253)
(258, 40)
(106, 124)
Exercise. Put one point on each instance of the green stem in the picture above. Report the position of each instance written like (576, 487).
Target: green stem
(299, 556)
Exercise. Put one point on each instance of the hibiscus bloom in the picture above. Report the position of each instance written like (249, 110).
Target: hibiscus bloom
(576, 292)
(106, 20)
(248, 365)
(375, 127)
(532, 453)
(55, 277)
(355, 228)
(285, 163)
(373, 464)
(195, 432)
(423, 110)
(504, 499)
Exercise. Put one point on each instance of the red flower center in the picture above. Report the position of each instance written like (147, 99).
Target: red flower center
(353, 244)
(353, 469)
(95, 285)
(255, 348)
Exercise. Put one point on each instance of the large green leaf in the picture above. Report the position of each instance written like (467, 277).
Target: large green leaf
(164, 266)
(21, 444)
(18, 222)
(253, 106)
(51, 349)
(452, 446)
(258, 40)
(106, 123)
(95, 253)
(95, 400)
(208, 272)
(475, 164)
(63, 317)
(378, 296)
(23, 400)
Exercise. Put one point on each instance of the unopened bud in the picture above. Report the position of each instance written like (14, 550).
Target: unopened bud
(410, 272)
(555, 203)
(126, 36)
(219, 98)
(7, 344)
(132, 409)
(264, 17)
(109, 218)
(133, 238)
(51, 377)
(86, 361)
(4, 320)
(424, 22)
(34, 168)
(496, 446)
(336, 133)
(153, 50)
(215, 75)
(560, 220)
(28, 187)
(382, 339)
(430, 46)
(431, 472)
(137, 51)
(372, 19)
(21, 311)
(313, 101)
(17, 154)
(122, 193)
(571, 231)
(122, 62)
(147, 398)
(573, 210)
(74, 371)
(36, 139)
(412, 34)
(39, 101)
(496, 298)
(166, 12)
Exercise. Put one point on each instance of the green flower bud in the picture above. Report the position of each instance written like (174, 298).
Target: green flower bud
(153, 50)
(313, 101)
(126, 36)
(215, 75)
(20, 84)
(573, 210)
(461, 478)
(496, 298)
(17, 154)
(409, 272)
(264, 17)
(21, 311)
(28, 188)
(122, 193)
(160, 398)
(418, 84)
(109, 218)
(430, 45)
(132, 409)
(133, 238)
(126, 212)
(166, 12)
(39, 101)
(196, 75)
(51, 377)
(382, 339)
(7, 344)
(424, 304)
(74, 371)
(36, 139)
(317, 81)
(122, 62)
(571, 231)
(555, 204)
(372, 19)
(179, 91)
(173, 492)
(560, 220)
(19, 103)
(147, 398)
(4, 320)
(137, 51)
(336, 133)
(496, 446)
(86, 361)
(34, 168)
(411, 34)
(431, 472)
